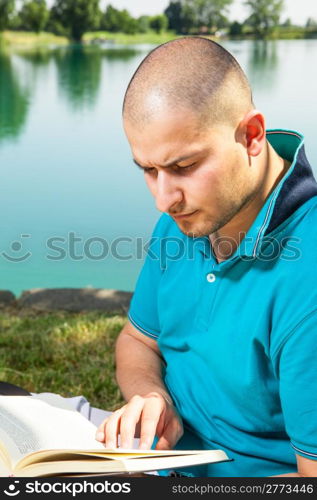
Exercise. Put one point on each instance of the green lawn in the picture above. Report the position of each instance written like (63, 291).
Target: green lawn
(23, 39)
(66, 353)
(121, 38)
(27, 39)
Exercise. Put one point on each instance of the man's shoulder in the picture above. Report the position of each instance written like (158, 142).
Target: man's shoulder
(305, 226)
(296, 272)
(298, 240)
(301, 224)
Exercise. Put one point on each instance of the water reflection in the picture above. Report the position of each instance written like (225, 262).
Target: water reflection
(37, 57)
(14, 100)
(263, 63)
(122, 54)
(79, 75)
(79, 71)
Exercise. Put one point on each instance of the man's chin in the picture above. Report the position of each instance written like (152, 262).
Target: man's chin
(197, 230)
(192, 232)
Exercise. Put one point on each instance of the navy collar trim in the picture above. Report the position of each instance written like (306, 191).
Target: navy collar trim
(299, 187)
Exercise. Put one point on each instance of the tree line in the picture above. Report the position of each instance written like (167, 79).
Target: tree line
(72, 18)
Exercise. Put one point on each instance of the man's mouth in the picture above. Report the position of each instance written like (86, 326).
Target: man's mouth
(183, 216)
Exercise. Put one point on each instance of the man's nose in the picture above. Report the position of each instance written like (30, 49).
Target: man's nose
(167, 193)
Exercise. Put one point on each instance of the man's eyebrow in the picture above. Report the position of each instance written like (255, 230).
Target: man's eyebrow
(137, 163)
(173, 162)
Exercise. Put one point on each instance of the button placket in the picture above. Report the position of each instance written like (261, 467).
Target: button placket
(211, 277)
(208, 294)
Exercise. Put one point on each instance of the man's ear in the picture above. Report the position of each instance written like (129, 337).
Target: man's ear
(251, 131)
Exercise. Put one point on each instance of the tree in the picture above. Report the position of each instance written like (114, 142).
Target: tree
(15, 21)
(128, 24)
(287, 23)
(34, 15)
(6, 11)
(115, 20)
(111, 19)
(265, 16)
(76, 16)
(236, 29)
(188, 17)
(143, 24)
(193, 15)
(208, 13)
(54, 24)
(311, 23)
(173, 13)
(159, 23)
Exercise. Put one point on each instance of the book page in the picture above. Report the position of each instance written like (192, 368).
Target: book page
(28, 425)
(54, 400)
(123, 465)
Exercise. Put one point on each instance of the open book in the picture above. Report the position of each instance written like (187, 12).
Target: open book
(47, 437)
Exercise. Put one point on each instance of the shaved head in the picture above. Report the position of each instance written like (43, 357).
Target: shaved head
(191, 74)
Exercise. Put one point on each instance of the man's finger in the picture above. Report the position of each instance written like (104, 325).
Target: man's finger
(100, 432)
(129, 421)
(111, 429)
(171, 434)
(151, 415)
(164, 443)
(161, 424)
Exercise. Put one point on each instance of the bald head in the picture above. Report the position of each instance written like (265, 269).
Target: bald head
(191, 74)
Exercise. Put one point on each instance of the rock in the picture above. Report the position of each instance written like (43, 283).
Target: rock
(6, 297)
(76, 299)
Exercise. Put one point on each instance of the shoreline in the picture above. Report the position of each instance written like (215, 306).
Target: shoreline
(73, 300)
(17, 40)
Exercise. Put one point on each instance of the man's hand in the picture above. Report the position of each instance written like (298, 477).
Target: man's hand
(152, 414)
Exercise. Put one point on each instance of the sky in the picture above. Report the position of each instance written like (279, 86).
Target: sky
(297, 10)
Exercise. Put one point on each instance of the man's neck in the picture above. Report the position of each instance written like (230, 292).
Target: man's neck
(222, 240)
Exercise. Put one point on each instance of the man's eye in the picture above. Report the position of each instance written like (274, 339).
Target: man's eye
(176, 168)
(184, 169)
(188, 166)
(148, 170)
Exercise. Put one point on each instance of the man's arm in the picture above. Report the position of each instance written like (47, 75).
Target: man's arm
(149, 409)
(306, 468)
(139, 364)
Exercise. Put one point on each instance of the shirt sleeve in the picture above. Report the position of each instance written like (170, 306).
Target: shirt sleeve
(143, 311)
(297, 367)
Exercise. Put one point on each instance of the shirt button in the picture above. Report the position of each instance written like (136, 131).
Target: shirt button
(211, 277)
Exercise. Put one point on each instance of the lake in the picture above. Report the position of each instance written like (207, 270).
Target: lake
(75, 209)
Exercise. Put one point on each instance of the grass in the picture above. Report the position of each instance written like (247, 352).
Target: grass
(290, 33)
(150, 37)
(25, 39)
(68, 353)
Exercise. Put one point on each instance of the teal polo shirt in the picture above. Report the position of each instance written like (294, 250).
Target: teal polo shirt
(239, 338)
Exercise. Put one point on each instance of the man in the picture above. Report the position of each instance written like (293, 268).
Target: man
(220, 347)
